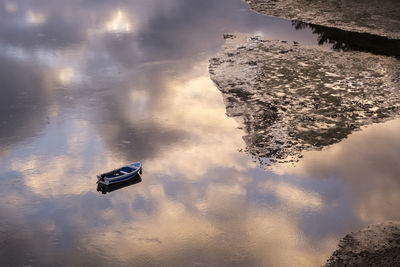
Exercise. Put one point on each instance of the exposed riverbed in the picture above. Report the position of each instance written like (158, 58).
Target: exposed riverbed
(290, 97)
(379, 17)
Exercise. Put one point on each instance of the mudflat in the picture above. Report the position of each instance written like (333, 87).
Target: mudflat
(380, 17)
(291, 97)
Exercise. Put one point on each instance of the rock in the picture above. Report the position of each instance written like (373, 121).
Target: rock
(376, 245)
(227, 36)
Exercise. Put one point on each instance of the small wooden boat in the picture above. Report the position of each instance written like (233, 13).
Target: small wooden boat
(120, 175)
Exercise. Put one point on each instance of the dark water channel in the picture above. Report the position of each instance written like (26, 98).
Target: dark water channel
(352, 41)
(87, 86)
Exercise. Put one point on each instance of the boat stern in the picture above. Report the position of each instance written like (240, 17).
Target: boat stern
(101, 180)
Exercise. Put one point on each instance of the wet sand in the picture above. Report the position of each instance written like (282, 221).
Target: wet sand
(369, 16)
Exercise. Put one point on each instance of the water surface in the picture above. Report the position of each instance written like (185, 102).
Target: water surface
(87, 86)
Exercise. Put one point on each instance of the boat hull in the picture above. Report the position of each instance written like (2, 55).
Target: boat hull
(120, 175)
(116, 186)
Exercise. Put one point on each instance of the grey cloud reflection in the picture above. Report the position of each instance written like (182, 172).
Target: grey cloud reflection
(24, 100)
(40, 27)
(367, 163)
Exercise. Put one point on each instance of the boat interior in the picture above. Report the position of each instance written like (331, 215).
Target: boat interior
(118, 172)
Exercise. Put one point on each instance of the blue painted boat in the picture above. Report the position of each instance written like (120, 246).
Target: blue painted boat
(120, 175)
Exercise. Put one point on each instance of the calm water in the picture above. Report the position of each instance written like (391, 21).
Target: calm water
(87, 86)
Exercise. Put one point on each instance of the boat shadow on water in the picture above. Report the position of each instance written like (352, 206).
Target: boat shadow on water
(104, 189)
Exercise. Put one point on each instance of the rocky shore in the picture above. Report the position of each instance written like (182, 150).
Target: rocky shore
(379, 17)
(290, 97)
(377, 245)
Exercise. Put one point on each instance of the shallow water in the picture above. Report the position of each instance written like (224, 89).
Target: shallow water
(87, 86)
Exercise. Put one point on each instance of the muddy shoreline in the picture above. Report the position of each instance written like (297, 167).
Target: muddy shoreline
(367, 16)
(291, 98)
(376, 245)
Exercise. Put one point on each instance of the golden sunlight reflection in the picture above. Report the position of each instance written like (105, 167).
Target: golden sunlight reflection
(120, 23)
(66, 75)
(204, 115)
(139, 101)
(34, 17)
(152, 234)
(52, 181)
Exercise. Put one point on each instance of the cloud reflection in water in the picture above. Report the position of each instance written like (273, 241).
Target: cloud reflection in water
(78, 101)
(367, 164)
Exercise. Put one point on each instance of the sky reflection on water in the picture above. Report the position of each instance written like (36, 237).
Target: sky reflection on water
(87, 86)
